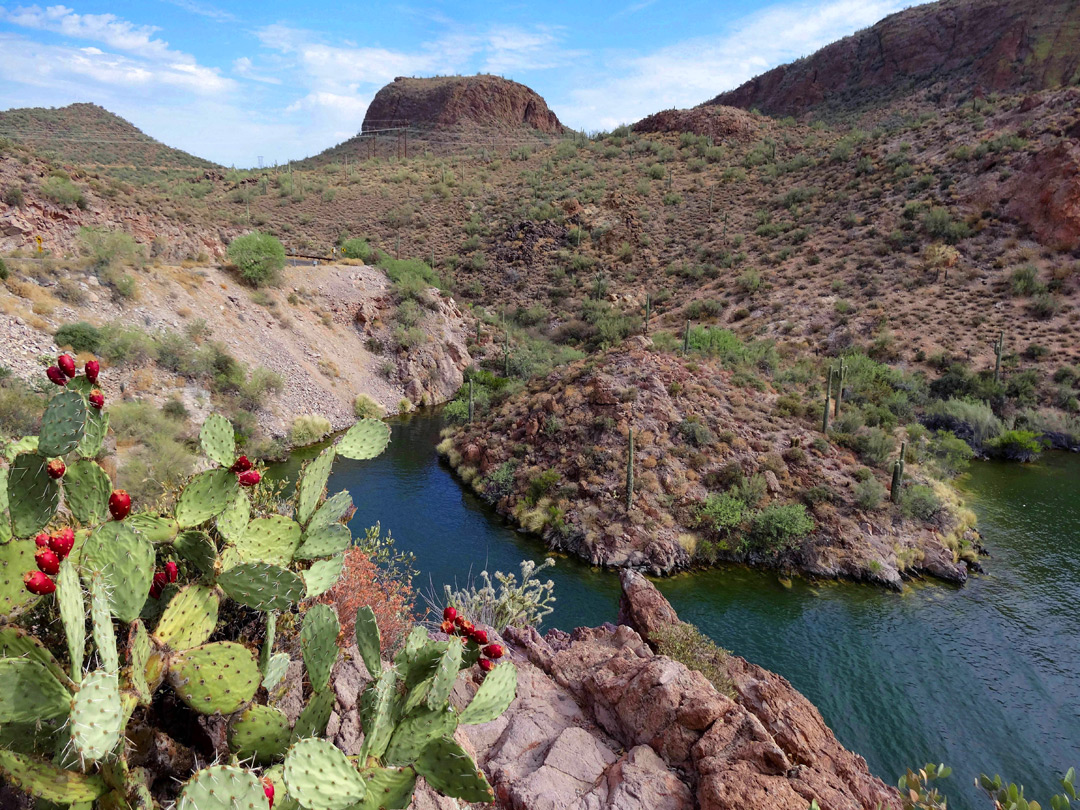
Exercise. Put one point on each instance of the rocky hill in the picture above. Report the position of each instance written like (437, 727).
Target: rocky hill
(89, 135)
(952, 48)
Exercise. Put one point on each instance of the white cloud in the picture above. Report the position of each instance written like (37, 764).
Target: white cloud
(246, 68)
(109, 29)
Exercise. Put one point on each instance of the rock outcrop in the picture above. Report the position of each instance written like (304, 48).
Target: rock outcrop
(716, 122)
(456, 102)
(963, 46)
(603, 722)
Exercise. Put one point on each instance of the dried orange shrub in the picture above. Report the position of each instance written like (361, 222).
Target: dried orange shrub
(362, 584)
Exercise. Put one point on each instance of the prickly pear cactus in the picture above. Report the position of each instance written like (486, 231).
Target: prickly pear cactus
(155, 586)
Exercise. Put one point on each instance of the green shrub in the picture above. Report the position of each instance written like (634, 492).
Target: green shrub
(952, 454)
(364, 407)
(686, 644)
(919, 502)
(939, 224)
(260, 258)
(721, 513)
(1015, 445)
(107, 248)
(540, 485)
(974, 422)
(500, 482)
(874, 445)
(780, 527)
(4, 272)
(695, 432)
(1025, 281)
(20, 408)
(81, 336)
(62, 191)
(357, 249)
(869, 493)
(308, 429)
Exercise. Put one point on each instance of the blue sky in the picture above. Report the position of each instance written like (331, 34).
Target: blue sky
(232, 81)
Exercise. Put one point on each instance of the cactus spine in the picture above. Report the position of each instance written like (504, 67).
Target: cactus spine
(828, 395)
(630, 471)
(999, 347)
(898, 475)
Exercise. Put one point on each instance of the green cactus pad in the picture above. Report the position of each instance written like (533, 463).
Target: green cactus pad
(207, 495)
(62, 424)
(312, 484)
(140, 649)
(30, 692)
(46, 781)
(332, 511)
(32, 495)
(260, 734)
(97, 717)
(5, 522)
(218, 440)
(190, 618)
(324, 541)
(322, 575)
(101, 621)
(27, 444)
(388, 788)
(222, 787)
(271, 539)
(493, 697)
(416, 663)
(156, 529)
(318, 643)
(18, 643)
(127, 562)
(86, 491)
(320, 777)
(267, 648)
(94, 432)
(3, 491)
(198, 549)
(69, 599)
(378, 714)
(232, 522)
(315, 715)
(282, 799)
(445, 675)
(364, 440)
(276, 667)
(368, 640)
(219, 677)
(16, 558)
(414, 733)
(262, 586)
(449, 770)
(417, 696)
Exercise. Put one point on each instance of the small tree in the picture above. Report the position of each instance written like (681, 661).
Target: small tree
(260, 258)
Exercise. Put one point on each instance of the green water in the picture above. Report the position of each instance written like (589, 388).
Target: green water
(983, 677)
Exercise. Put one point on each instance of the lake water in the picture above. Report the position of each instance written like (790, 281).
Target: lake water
(983, 678)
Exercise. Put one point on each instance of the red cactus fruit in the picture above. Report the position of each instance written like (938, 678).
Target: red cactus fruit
(97, 399)
(42, 540)
(479, 636)
(447, 627)
(449, 614)
(38, 582)
(249, 478)
(268, 789)
(171, 571)
(62, 542)
(242, 464)
(47, 561)
(56, 468)
(67, 364)
(93, 367)
(494, 651)
(56, 375)
(161, 579)
(486, 665)
(119, 504)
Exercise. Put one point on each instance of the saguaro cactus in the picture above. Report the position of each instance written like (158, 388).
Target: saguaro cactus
(648, 311)
(686, 339)
(841, 377)
(630, 470)
(828, 395)
(999, 347)
(898, 475)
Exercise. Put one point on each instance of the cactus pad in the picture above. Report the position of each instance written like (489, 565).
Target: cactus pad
(218, 440)
(30, 692)
(333, 509)
(27, 444)
(3, 491)
(97, 717)
(48, 782)
(139, 651)
(388, 788)
(322, 541)
(219, 677)
(312, 484)
(261, 734)
(493, 697)
(414, 733)
(315, 715)
(368, 640)
(445, 674)
(262, 586)
(62, 424)
(322, 575)
(18, 643)
(155, 529)
(318, 643)
(32, 495)
(320, 777)
(282, 799)
(268, 643)
(222, 787)
(69, 599)
(378, 715)
(16, 558)
(364, 440)
(448, 769)
(127, 562)
(271, 539)
(276, 667)
(198, 549)
(101, 620)
(86, 491)
(207, 495)
(189, 619)
(94, 432)
(232, 522)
